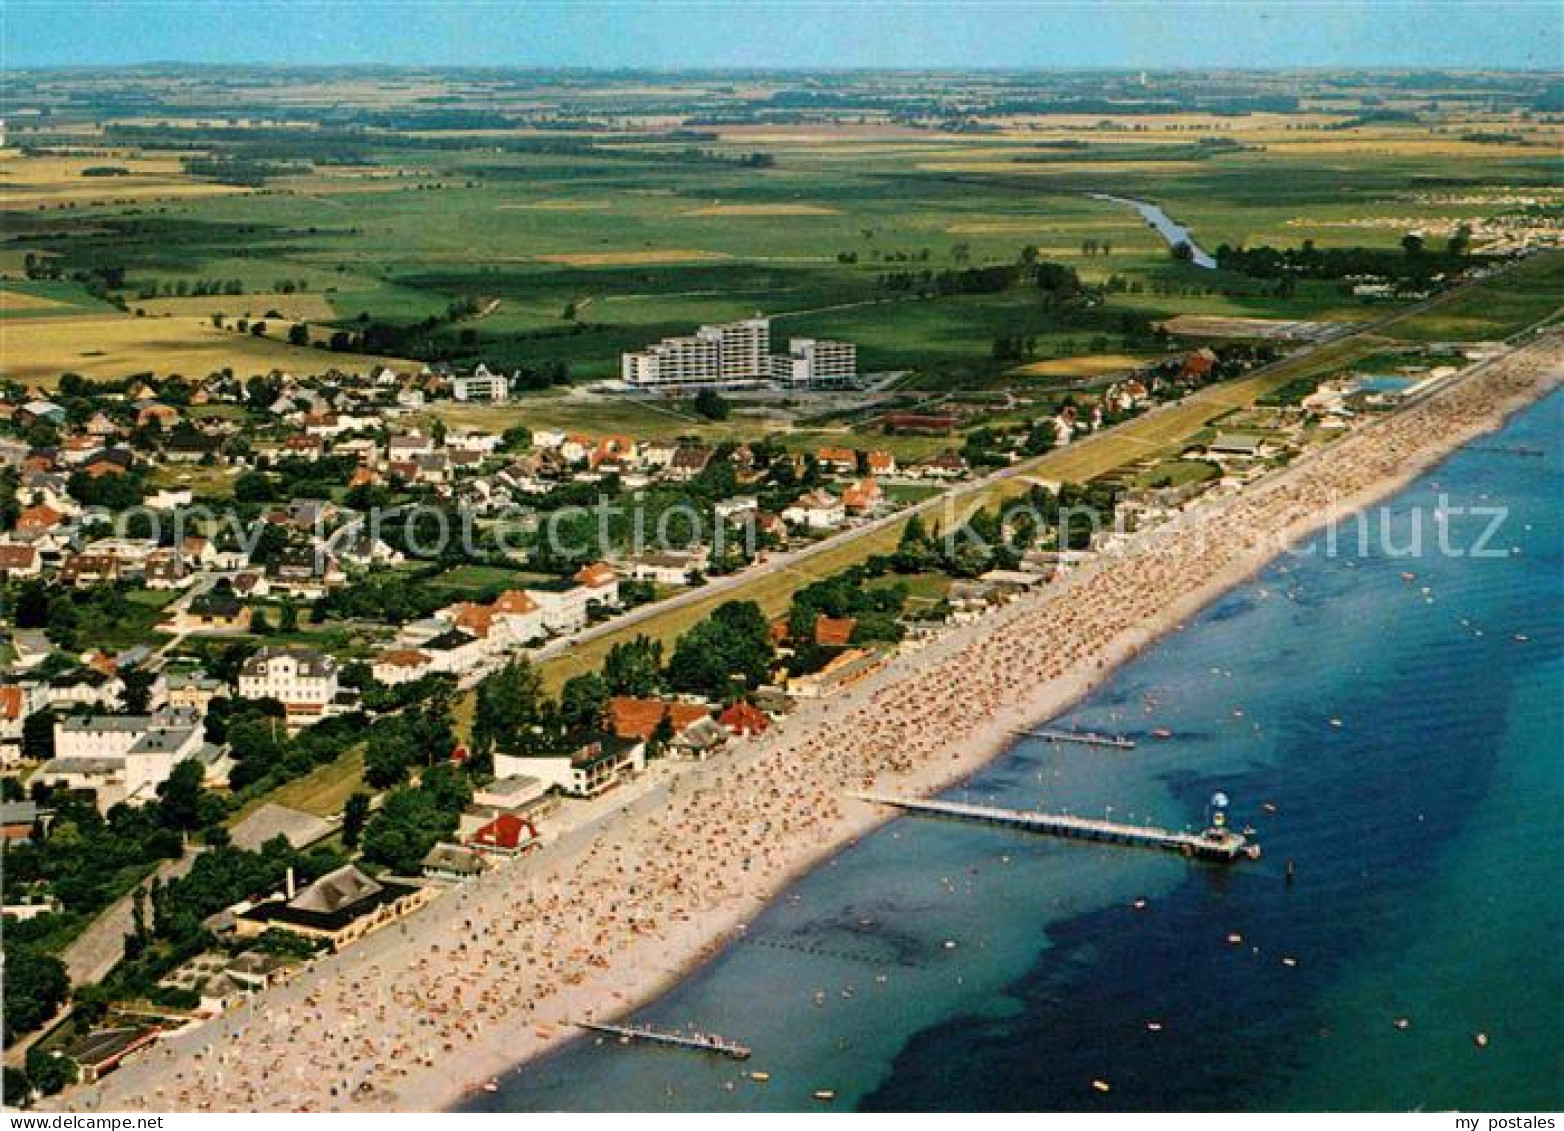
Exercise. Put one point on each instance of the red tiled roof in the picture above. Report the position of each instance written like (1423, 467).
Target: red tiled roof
(506, 831)
(744, 718)
(11, 701)
(629, 717)
(834, 632)
(514, 602)
(17, 557)
(595, 576)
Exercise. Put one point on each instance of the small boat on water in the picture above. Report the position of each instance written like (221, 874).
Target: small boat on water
(1139, 904)
(1101, 1086)
(1268, 806)
(1403, 1024)
(1162, 732)
(760, 1077)
(1480, 1040)
(1153, 1026)
(491, 1085)
(825, 1095)
(1235, 939)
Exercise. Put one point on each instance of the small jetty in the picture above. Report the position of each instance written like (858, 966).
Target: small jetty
(1217, 842)
(1084, 737)
(698, 1042)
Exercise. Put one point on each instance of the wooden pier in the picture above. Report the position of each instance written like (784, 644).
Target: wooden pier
(1215, 843)
(699, 1042)
(1084, 737)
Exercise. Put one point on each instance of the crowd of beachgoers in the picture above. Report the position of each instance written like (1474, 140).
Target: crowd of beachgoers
(498, 970)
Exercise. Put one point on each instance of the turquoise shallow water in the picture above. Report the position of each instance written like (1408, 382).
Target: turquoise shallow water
(942, 966)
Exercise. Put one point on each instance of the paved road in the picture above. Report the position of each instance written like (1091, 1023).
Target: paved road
(98, 949)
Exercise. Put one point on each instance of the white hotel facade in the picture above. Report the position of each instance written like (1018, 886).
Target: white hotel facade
(735, 354)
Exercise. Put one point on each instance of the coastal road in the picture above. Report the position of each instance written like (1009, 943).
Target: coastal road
(1160, 430)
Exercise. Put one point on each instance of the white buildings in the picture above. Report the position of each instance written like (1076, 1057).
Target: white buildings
(596, 765)
(481, 385)
(673, 363)
(122, 758)
(733, 354)
(566, 608)
(818, 510)
(302, 679)
(815, 362)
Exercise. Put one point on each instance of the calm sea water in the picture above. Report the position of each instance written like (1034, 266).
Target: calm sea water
(943, 966)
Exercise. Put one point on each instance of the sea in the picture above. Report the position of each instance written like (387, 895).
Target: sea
(1388, 722)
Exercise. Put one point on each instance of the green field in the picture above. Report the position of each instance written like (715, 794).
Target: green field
(579, 242)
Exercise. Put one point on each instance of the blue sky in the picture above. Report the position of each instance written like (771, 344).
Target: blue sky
(788, 33)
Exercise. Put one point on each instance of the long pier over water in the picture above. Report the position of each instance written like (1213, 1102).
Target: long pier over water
(699, 1042)
(1215, 843)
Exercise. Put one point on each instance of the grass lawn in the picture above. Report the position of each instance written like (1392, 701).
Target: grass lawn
(1526, 294)
(472, 579)
(323, 791)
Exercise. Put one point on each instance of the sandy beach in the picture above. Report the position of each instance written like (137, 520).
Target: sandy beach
(614, 912)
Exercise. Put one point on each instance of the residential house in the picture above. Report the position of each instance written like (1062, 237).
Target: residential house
(401, 665)
(817, 510)
(219, 609)
(840, 461)
(671, 568)
(688, 461)
(18, 560)
(863, 496)
(303, 679)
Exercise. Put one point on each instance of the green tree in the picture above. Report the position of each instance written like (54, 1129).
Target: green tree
(510, 708)
(354, 815)
(179, 804)
(710, 404)
(634, 667)
(727, 653)
(408, 825)
(582, 700)
(50, 1072)
(35, 987)
(38, 736)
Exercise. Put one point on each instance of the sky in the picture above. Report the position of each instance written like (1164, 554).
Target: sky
(903, 34)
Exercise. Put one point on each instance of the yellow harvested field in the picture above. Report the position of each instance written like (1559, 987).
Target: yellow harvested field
(294, 308)
(762, 210)
(107, 346)
(33, 182)
(630, 258)
(1089, 365)
(20, 300)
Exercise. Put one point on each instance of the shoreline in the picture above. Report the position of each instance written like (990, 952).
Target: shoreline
(657, 947)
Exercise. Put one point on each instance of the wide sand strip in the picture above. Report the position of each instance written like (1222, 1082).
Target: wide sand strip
(614, 913)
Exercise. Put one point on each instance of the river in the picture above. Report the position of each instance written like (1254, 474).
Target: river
(1167, 227)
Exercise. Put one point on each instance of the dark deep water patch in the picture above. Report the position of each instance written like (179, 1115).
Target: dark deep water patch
(937, 966)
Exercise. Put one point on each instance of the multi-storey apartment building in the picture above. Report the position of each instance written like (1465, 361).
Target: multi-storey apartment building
(733, 354)
(815, 362)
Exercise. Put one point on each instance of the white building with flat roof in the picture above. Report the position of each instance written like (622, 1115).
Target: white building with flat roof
(727, 353)
(815, 362)
(480, 385)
